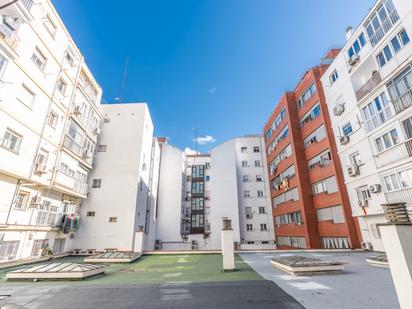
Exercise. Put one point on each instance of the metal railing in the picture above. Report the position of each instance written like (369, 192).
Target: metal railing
(366, 88)
(396, 153)
(403, 102)
(384, 27)
(396, 213)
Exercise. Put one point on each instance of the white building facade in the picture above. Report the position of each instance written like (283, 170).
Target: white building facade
(368, 89)
(197, 190)
(119, 213)
(49, 123)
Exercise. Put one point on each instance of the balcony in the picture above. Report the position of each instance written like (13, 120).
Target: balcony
(403, 102)
(367, 88)
(400, 196)
(77, 150)
(9, 36)
(386, 24)
(396, 153)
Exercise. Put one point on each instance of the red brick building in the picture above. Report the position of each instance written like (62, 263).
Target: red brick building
(310, 203)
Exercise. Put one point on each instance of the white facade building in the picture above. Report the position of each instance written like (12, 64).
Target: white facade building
(49, 122)
(122, 199)
(197, 191)
(368, 88)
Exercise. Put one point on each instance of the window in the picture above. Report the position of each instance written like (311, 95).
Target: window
(334, 214)
(276, 123)
(262, 210)
(259, 193)
(381, 21)
(91, 213)
(38, 246)
(249, 227)
(50, 26)
(403, 36)
(52, 119)
(316, 136)
(244, 164)
(257, 163)
(61, 86)
(312, 114)
(282, 135)
(391, 182)
(39, 59)
(246, 178)
(327, 186)
(335, 242)
(347, 129)
(355, 159)
(197, 187)
(106, 120)
(198, 220)
(198, 171)
(289, 218)
(256, 149)
(399, 41)
(113, 219)
(406, 178)
(306, 95)
(248, 212)
(26, 96)
(8, 249)
(364, 193)
(246, 193)
(69, 57)
(357, 45)
(3, 62)
(259, 178)
(101, 148)
(387, 140)
(384, 56)
(407, 124)
(22, 200)
(97, 183)
(197, 203)
(263, 227)
(243, 149)
(333, 77)
(41, 161)
(376, 112)
(321, 159)
(11, 141)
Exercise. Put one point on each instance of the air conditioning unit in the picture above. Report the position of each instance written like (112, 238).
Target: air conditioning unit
(367, 245)
(353, 60)
(343, 140)
(353, 170)
(77, 110)
(97, 131)
(338, 109)
(376, 188)
(363, 203)
(35, 200)
(187, 198)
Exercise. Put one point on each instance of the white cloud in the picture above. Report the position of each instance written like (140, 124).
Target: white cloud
(204, 140)
(189, 151)
(212, 90)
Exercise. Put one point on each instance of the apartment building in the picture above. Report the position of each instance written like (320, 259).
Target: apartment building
(119, 213)
(197, 190)
(49, 123)
(368, 90)
(310, 203)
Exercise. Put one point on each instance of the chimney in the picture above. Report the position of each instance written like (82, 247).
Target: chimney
(349, 32)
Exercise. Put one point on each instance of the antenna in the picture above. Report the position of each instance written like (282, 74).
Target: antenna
(124, 79)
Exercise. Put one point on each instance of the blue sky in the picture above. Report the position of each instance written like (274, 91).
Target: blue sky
(219, 65)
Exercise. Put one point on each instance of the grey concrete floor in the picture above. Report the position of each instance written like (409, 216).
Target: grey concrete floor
(360, 286)
(258, 294)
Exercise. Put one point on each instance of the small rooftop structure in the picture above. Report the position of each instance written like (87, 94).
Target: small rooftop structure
(379, 260)
(56, 271)
(305, 266)
(113, 257)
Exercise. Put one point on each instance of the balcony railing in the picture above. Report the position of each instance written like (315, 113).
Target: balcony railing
(8, 36)
(394, 154)
(403, 102)
(400, 196)
(387, 24)
(366, 88)
(77, 150)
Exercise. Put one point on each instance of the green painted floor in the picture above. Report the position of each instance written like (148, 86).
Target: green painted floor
(152, 269)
